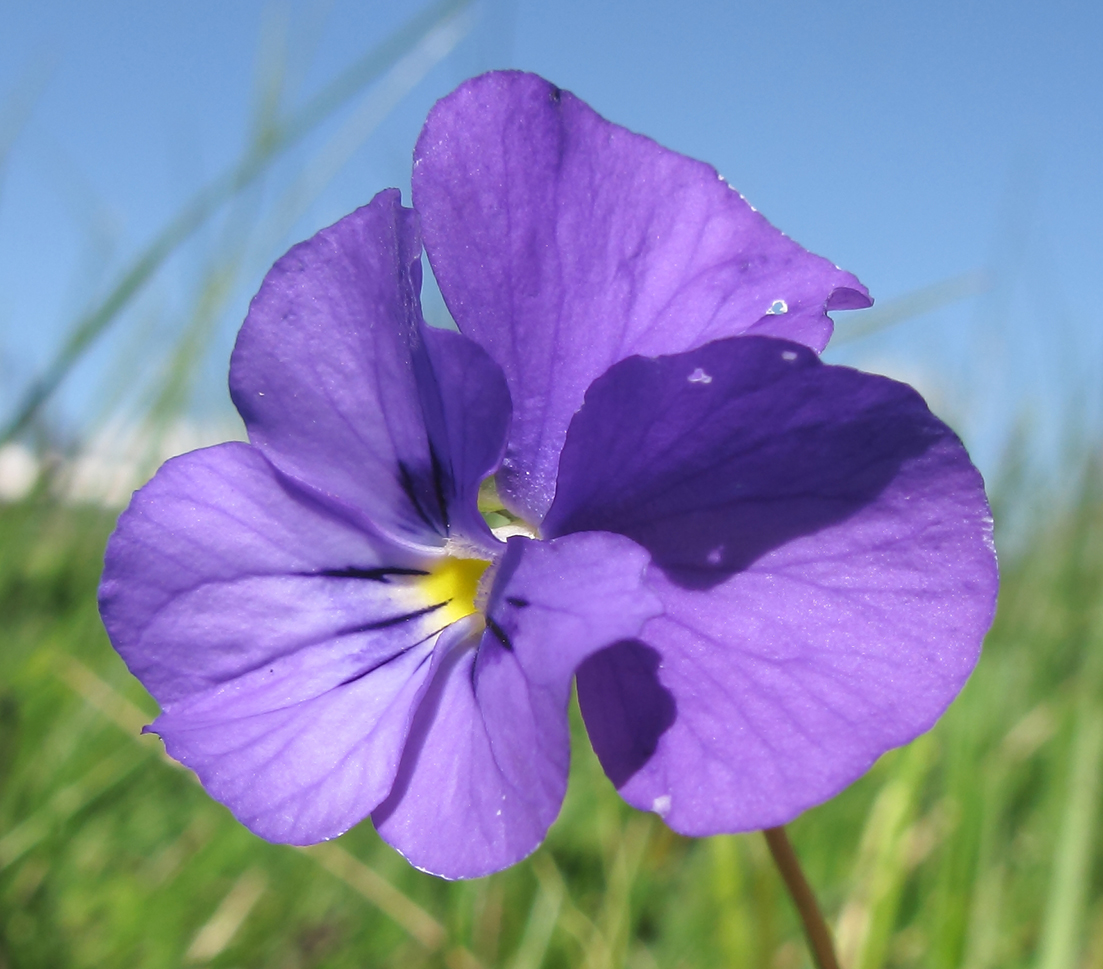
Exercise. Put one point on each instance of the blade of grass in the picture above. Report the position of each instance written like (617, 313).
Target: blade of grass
(268, 145)
(609, 944)
(66, 802)
(869, 914)
(1068, 891)
(571, 919)
(19, 106)
(735, 930)
(1064, 918)
(541, 922)
(219, 930)
(221, 278)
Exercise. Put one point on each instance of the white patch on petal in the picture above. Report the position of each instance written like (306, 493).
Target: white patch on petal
(788, 355)
(777, 307)
(502, 532)
(661, 805)
(699, 377)
(716, 556)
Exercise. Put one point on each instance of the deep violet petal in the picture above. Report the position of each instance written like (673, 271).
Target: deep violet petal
(563, 243)
(475, 416)
(822, 547)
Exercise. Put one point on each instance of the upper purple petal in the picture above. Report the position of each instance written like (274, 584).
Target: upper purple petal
(285, 645)
(336, 384)
(485, 769)
(563, 243)
(822, 548)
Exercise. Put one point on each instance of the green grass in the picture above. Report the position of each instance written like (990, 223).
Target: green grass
(975, 847)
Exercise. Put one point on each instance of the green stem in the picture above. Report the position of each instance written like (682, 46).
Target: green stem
(815, 928)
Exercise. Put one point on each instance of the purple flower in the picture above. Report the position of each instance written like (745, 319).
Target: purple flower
(763, 571)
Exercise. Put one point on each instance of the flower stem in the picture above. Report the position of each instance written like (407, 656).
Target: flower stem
(815, 928)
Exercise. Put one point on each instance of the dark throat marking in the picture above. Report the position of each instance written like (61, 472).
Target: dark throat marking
(391, 620)
(423, 502)
(373, 575)
(499, 633)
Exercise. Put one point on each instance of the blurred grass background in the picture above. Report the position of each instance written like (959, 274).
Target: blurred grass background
(975, 847)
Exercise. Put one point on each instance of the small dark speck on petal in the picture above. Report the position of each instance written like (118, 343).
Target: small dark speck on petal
(517, 601)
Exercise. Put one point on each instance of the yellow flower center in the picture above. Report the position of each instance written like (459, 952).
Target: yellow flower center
(454, 582)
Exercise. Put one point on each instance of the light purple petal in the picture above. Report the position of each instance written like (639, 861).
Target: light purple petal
(822, 547)
(485, 768)
(287, 647)
(333, 378)
(295, 752)
(219, 544)
(563, 243)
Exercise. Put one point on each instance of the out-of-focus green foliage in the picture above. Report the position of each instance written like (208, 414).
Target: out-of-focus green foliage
(975, 847)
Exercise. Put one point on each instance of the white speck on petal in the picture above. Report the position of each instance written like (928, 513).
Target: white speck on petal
(260, 393)
(789, 355)
(699, 377)
(777, 307)
(504, 532)
(716, 556)
(661, 805)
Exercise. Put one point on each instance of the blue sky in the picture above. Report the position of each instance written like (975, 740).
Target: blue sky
(909, 143)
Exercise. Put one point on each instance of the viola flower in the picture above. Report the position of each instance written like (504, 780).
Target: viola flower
(762, 570)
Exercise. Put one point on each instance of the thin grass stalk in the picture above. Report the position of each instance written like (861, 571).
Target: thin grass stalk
(268, 145)
(221, 278)
(1063, 926)
(918, 302)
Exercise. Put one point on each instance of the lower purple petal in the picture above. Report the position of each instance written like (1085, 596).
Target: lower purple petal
(485, 768)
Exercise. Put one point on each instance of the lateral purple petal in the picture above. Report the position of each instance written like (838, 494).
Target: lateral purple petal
(286, 646)
(822, 548)
(485, 769)
(333, 379)
(563, 243)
